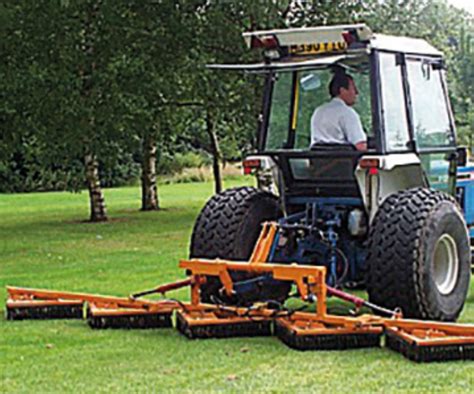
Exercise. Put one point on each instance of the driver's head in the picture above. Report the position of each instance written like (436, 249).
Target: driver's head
(342, 85)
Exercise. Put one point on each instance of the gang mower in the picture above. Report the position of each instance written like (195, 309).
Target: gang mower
(396, 220)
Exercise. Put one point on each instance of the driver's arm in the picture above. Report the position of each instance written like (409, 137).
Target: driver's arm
(354, 133)
(361, 145)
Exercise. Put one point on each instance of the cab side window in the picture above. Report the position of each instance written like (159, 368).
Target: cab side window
(430, 111)
(431, 123)
(280, 111)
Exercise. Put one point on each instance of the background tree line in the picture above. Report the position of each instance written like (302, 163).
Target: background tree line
(99, 93)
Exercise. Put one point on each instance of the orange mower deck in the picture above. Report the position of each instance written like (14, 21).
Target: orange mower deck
(417, 340)
(102, 312)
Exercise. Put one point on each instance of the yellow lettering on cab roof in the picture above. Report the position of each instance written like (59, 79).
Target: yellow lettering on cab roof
(317, 49)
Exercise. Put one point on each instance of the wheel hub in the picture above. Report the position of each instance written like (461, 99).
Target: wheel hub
(446, 264)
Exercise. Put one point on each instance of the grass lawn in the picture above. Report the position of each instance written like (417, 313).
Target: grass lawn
(45, 243)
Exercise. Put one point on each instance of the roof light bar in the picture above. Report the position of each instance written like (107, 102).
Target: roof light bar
(349, 37)
(312, 35)
(264, 42)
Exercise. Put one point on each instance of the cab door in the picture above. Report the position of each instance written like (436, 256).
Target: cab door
(432, 121)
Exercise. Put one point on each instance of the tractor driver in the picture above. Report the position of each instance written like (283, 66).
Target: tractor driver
(336, 122)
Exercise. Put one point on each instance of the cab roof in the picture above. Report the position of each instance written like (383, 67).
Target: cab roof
(408, 45)
(336, 39)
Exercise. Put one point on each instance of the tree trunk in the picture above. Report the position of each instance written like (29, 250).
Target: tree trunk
(98, 212)
(150, 200)
(96, 197)
(215, 151)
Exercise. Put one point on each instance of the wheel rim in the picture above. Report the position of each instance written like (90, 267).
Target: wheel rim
(446, 264)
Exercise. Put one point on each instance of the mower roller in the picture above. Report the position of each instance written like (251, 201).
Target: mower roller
(420, 341)
(102, 311)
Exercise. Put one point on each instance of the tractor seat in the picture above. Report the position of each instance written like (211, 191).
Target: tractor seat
(321, 172)
(333, 147)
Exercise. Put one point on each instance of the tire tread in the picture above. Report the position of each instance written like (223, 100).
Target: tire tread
(395, 237)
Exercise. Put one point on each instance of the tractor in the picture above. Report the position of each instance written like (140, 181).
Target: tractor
(396, 220)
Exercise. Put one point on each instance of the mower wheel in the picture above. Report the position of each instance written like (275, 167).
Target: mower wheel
(228, 228)
(419, 255)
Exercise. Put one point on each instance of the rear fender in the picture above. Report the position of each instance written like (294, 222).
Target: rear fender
(395, 172)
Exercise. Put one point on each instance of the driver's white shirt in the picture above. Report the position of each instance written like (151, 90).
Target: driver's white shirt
(336, 123)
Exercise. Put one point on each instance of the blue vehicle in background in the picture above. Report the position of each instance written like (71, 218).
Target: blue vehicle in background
(396, 220)
(465, 195)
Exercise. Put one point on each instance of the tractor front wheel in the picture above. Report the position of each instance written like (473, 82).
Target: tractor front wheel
(419, 255)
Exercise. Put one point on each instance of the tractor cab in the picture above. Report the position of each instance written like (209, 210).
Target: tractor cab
(402, 104)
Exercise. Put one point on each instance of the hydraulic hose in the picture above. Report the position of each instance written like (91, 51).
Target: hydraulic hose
(359, 302)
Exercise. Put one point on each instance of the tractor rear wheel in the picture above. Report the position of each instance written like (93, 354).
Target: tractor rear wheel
(228, 228)
(419, 255)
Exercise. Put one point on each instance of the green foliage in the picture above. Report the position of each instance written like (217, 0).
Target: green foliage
(28, 168)
(99, 76)
(31, 168)
(124, 171)
(231, 101)
(58, 85)
(464, 84)
(175, 163)
(186, 177)
(20, 177)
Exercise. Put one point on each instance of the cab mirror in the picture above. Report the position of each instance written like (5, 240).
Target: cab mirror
(310, 82)
(461, 156)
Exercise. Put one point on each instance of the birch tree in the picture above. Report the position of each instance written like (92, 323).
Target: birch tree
(63, 52)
